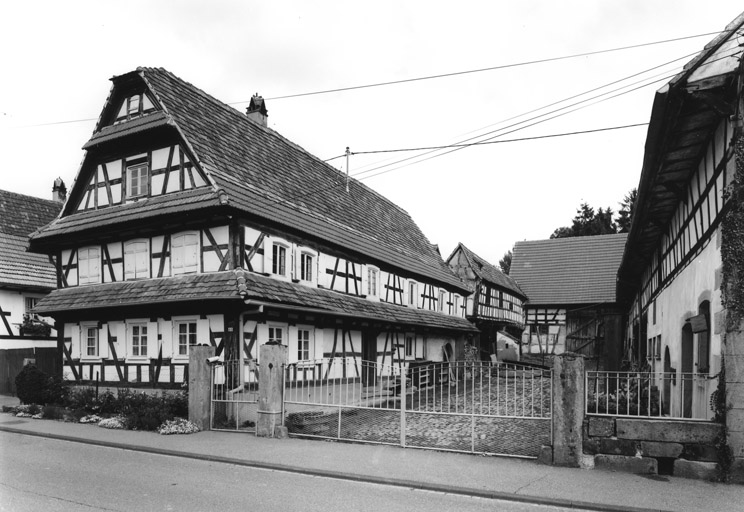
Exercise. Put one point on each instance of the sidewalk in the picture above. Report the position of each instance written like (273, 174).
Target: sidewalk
(495, 477)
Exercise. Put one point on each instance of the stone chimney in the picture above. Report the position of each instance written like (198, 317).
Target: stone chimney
(59, 191)
(256, 111)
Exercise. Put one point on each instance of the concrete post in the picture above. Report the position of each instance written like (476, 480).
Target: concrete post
(271, 390)
(199, 385)
(568, 409)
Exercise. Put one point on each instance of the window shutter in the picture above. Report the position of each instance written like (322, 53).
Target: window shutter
(268, 252)
(365, 280)
(167, 339)
(76, 340)
(202, 332)
(291, 343)
(129, 262)
(103, 346)
(152, 340)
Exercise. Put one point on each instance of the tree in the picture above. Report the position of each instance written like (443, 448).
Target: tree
(505, 262)
(625, 215)
(588, 223)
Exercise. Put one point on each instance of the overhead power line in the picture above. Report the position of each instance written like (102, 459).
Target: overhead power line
(479, 70)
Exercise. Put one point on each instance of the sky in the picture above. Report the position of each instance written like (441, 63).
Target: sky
(57, 59)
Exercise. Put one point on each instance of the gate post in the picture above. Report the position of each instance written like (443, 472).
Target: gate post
(271, 390)
(568, 409)
(200, 382)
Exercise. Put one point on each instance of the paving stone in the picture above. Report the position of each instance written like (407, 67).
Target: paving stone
(657, 449)
(601, 427)
(700, 452)
(695, 469)
(637, 465)
(667, 431)
(618, 447)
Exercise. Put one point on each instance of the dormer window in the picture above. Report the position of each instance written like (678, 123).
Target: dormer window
(137, 177)
(135, 106)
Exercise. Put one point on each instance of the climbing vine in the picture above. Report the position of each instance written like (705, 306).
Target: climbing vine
(732, 250)
(720, 408)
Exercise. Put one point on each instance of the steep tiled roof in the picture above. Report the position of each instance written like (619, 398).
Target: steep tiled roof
(577, 270)
(19, 216)
(268, 176)
(487, 272)
(239, 285)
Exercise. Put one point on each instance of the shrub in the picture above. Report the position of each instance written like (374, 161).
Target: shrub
(56, 391)
(31, 385)
(52, 412)
(177, 426)
(85, 398)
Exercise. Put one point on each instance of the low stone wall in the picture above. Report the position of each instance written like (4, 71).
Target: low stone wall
(680, 448)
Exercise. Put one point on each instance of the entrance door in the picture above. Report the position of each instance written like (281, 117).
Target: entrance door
(369, 357)
(687, 368)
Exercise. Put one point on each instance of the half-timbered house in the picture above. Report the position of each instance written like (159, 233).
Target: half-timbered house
(496, 304)
(673, 275)
(572, 302)
(24, 279)
(190, 222)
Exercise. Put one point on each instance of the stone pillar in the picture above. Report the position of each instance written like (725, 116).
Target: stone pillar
(200, 376)
(271, 390)
(568, 409)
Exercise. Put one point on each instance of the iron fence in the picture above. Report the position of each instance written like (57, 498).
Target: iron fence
(667, 395)
(234, 404)
(457, 406)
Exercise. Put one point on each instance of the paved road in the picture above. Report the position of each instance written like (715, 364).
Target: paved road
(47, 474)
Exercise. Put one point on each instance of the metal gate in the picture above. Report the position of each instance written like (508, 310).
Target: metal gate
(459, 406)
(234, 401)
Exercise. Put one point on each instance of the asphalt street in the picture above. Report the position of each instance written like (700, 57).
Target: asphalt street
(48, 474)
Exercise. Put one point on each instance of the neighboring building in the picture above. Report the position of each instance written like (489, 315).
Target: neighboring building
(672, 272)
(571, 288)
(190, 222)
(496, 304)
(24, 279)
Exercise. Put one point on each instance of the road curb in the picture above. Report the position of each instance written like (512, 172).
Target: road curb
(394, 482)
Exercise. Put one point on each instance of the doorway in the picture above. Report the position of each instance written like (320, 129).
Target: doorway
(687, 368)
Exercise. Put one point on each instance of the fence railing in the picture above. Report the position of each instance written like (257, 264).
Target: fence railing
(668, 395)
(234, 395)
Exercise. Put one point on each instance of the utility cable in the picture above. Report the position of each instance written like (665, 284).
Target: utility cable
(480, 70)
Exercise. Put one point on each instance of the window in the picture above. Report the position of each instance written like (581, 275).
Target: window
(442, 299)
(412, 293)
(185, 253)
(134, 106)
(186, 337)
(91, 341)
(303, 345)
(89, 265)
(279, 260)
(139, 340)
(137, 176)
(409, 345)
(275, 335)
(702, 328)
(30, 303)
(306, 267)
(372, 282)
(136, 259)
(457, 306)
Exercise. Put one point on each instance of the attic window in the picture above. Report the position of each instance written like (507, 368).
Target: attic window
(135, 106)
(137, 177)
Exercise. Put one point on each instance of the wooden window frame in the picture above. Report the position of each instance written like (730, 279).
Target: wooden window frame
(141, 346)
(183, 269)
(188, 336)
(129, 171)
(88, 278)
(304, 346)
(85, 341)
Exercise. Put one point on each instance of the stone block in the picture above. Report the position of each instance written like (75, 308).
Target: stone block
(695, 469)
(619, 447)
(666, 431)
(591, 446)
(734, 344)
(736, 442)
(625, 464)
(737, 472)
(718, 279)
(546, 455)
(735, 368)
(735, 418)
(657, 449)
(700, 452)
(719, 322)
(601, 427)
(281, 432)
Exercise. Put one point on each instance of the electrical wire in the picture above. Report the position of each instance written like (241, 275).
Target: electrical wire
(480, 70)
